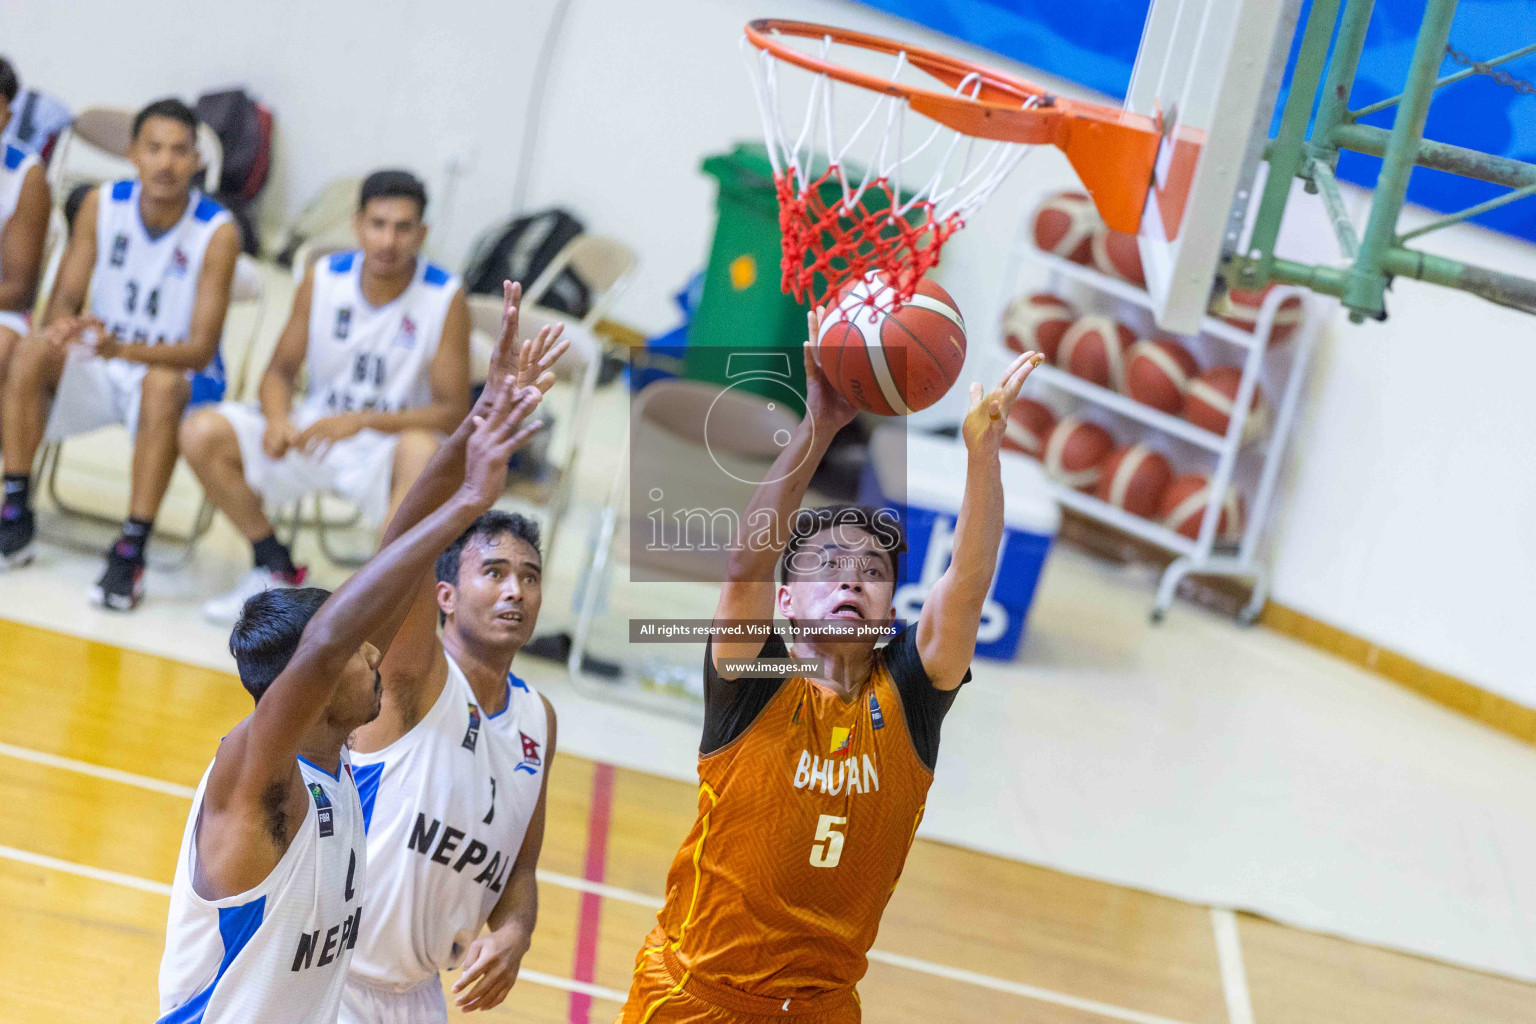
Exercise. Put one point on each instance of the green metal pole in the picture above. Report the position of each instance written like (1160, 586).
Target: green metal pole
(1367, 279)
(1286, 153)
(1333, 106)
(1440, 156)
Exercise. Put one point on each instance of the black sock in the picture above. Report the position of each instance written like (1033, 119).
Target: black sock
(135, 536)
(18, 490)
(269, 553)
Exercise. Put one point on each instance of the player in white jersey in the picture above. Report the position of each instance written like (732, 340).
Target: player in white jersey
(269, 898)
(156, 257)
(454, 770)
(24, 208)
(384, 336)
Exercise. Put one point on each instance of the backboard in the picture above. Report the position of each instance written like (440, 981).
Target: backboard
(1212, 68)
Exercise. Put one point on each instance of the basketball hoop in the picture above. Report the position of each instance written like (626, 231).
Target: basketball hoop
(971, 138)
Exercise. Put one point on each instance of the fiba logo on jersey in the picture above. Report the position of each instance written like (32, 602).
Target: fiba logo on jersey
(530, 762)
(406, 336)
(472, 733)
(179, 263)
(119, 250)
(323, 810)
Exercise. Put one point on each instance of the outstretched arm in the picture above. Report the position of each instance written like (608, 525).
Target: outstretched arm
(492, 961)
(748, 590)
(946, 628)
(260, 754)
(528, 363)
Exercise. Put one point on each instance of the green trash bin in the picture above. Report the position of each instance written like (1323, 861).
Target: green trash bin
(742, 306)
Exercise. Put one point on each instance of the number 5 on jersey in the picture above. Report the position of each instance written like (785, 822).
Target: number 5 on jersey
(827, 850)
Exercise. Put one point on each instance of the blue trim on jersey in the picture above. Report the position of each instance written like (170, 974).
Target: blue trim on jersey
(335, 775)
(434, 275)
(13, 157)
(207, 209)
(516, 681)
(341, 262)
(237, 926)
(508, 703)
(367, 778)
(122, 191)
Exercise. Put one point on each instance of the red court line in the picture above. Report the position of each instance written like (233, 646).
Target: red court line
(585, 968)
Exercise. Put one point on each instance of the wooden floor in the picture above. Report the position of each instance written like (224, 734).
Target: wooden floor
(85, 857)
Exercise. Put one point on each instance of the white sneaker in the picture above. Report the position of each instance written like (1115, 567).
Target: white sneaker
(226, 608)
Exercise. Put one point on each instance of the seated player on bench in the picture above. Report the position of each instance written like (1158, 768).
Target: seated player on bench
(384, 336)
(24, 206)
(156, 257)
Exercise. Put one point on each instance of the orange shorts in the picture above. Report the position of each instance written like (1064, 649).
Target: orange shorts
(664, 992)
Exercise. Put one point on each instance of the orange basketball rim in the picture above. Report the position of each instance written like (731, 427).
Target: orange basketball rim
(995, 117)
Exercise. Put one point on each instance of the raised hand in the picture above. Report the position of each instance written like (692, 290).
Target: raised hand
(522, 363)
(496, 435)
(828, 409)
(987, 418)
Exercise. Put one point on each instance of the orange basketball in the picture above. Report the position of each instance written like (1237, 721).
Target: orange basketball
(1241, 309)
(1183, 506)
(892, 363)
(1134, 479)
(1116, 254)
(1064, 226)
(1035, 323)
(1094, 348)
(1075, 452)
(1029, 427)
(1208, 402)
(1157, 372)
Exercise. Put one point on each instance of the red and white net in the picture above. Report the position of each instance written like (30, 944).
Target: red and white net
(865, 184)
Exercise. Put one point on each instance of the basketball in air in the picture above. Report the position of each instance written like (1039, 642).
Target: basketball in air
(891, 362)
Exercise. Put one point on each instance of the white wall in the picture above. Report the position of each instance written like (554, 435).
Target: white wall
(1408, 518)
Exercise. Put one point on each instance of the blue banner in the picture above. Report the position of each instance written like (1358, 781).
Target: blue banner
(1095, 45)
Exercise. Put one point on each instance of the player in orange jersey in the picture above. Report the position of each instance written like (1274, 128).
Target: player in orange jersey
(811, 787)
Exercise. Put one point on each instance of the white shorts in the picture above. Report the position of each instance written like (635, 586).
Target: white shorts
(358, 468)
(362, 1003)
(96, 393)
(18, 323)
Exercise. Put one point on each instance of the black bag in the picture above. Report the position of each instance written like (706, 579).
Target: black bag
(244, 128)
(519, 250)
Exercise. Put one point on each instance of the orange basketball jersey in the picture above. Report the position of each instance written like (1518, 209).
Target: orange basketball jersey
(805, 819)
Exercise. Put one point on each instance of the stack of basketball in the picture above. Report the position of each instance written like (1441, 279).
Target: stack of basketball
(1136, 477)
(1067, 225)
(1157, 372)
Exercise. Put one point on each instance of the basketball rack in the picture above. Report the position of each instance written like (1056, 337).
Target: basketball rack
(1379, 253)
(1231, 460)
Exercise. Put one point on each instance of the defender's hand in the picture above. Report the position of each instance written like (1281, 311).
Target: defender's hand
(490, 970)
(987, 419)
(496, 436)
(279, 436)
(828, 409)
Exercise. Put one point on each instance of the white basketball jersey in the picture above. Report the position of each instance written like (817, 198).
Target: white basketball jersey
(366, 357)
(15, 162)
(278, 952)
(144, 288)
(446, 807)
